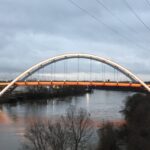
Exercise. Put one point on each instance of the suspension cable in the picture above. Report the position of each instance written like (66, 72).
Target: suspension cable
(90, 69)
(78, 69)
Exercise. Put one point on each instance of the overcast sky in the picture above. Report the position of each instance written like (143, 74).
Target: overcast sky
(34, 30)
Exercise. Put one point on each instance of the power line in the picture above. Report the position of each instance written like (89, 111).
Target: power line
(104, 24)
(148, 2)
(91, 15)
(110, 12)
(115, 16)
(136, 15)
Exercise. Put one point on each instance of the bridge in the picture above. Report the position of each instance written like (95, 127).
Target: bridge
(74, 83)
(24, 78)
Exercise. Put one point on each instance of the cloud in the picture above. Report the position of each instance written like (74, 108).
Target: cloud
(31, 31)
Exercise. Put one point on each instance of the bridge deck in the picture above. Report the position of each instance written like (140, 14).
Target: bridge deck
(74, 83)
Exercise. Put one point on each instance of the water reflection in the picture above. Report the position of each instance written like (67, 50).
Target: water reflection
(4, 118)
(87, 101)
(101, 104)
(54, 107)
(73, 102)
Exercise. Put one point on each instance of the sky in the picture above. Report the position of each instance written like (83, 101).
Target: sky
(34, 30)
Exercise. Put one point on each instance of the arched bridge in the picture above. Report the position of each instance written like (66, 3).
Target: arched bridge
(21, 79)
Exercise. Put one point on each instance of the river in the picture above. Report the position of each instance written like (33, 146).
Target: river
(101, 105)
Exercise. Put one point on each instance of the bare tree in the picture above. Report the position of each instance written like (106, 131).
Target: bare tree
(70, 132)
(35, 136)
(46, 136)
(57, 137)
(79, 128)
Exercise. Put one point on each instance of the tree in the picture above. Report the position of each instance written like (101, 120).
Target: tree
(137, 115)
(35, 136)
(57, 137)
(70, 132)
(108, 137)
(79, 128)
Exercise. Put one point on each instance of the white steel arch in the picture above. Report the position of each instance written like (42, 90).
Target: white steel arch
(38, 66)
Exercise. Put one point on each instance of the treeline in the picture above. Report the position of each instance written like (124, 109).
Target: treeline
(44, 92)
(56, 91)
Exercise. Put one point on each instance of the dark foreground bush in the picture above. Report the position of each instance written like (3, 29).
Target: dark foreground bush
(108, 137)
(137, 115)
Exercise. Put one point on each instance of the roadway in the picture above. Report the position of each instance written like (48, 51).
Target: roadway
(74, 83)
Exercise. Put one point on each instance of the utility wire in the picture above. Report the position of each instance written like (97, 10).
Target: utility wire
(104, 24)
(136, 15)
(92, 16)
(148, 2)
(118, 18)
(110, 12)
(115, 16)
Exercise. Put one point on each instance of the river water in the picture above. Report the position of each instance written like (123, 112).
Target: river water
(101, 105)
